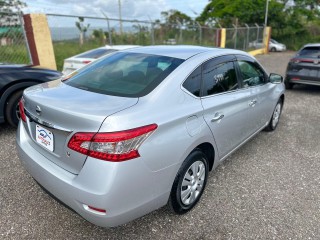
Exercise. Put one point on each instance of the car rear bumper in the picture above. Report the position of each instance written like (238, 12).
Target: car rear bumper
(302, 79)
(126, 190)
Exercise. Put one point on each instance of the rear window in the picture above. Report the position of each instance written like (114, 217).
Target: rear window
(96, 53)
(310, 51)
(125, 74)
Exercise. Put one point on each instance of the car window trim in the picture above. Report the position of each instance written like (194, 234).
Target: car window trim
(186, 90)
(256, 64)
(218, 60)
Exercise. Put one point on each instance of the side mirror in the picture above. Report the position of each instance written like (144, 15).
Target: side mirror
(275, 78)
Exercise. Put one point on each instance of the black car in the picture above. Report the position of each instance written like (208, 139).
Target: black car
(13, 80)
(304, 67)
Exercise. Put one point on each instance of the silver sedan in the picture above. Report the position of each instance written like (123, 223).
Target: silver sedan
(143, 127)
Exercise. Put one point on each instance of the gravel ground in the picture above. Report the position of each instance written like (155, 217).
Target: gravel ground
(268, 189)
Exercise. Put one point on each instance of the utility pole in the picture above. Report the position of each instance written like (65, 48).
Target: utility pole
(266, 16)
(119, 3)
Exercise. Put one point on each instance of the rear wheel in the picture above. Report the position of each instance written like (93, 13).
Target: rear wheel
(189, 183)
(273, 49)
(275, 117)
(12, 109)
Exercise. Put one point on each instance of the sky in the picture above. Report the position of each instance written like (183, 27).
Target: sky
(130, 9)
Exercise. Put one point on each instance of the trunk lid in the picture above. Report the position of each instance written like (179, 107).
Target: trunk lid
(56, 111)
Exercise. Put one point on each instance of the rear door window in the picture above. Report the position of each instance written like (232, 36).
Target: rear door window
(218, 78)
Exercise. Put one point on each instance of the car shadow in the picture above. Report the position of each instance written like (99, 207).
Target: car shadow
(299, 88)
(6, 128)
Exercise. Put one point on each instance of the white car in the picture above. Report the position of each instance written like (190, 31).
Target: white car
(274, 46)
(73, 63)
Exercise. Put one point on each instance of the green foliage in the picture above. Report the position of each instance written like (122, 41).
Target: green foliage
(240, 12)
(11, 5)
(173, 17)
(290, 24)
(14, 54)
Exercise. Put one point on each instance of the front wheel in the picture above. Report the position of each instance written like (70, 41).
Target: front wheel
(275, 117)
(189, 183)
(288, 85)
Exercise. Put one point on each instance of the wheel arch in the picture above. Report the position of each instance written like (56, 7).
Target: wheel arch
(209, 151)
(282, 98)
(11, 89)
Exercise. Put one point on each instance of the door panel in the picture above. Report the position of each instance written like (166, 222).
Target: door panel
(254, 79)
(233, 127)
(226, 107)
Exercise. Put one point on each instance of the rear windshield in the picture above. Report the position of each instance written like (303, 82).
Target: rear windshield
(125, 74)
(310, 51)
(96, 53)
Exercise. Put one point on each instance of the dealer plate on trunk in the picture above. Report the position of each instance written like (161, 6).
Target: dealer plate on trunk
(44, 137)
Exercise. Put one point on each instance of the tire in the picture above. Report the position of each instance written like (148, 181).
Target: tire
(12, 108)
(188, 187)
(273, 49)
(288, 85)
(275, 117)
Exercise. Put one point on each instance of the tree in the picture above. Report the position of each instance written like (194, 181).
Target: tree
(11, 5)
(83, 29)
(229, 12)
(7, 8)
(172, 17)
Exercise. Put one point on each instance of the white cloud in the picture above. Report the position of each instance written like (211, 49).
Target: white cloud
(130, 9)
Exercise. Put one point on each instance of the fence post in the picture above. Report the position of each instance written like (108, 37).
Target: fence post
(152, 33)
(222, 37)
(200, 32)
(248, 33)
(236, 35)
(25, 36)
(266, 39)
(180, 31)
(109, 31)
(40, 42)
(258, 31)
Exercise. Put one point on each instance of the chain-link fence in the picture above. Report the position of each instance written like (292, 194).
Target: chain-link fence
(13, 44)
(74, 34)
(105, 30)
(244, 38)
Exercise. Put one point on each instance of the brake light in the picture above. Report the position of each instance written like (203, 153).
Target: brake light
(114, 146)
(298, 60)
(21, 110)
(86, 61)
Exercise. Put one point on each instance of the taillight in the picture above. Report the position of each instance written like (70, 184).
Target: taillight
(114, 146)
(298, 60)
(86, 61)
(295, 60)
(21, 110)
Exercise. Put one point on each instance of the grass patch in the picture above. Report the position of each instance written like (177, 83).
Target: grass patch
(14, 54)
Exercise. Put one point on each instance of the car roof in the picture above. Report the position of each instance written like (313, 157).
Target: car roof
(182, 51)
(312, 45)
(120, 47)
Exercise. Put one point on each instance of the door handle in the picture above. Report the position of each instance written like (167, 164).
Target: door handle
(217, 117)
(252, 103)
